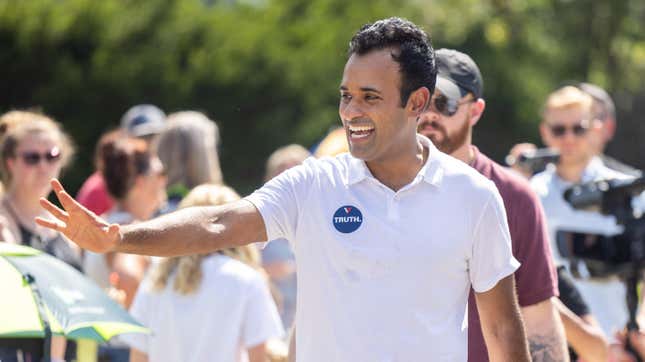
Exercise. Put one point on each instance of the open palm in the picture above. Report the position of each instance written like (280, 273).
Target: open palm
(79, 224)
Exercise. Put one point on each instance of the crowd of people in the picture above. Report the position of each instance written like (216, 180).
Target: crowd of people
(453, 241)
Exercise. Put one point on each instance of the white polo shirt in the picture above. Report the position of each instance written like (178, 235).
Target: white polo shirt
(384, 276)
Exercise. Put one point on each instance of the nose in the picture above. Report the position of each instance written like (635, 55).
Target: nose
(570, 137)
(428, 116)
(350, 110)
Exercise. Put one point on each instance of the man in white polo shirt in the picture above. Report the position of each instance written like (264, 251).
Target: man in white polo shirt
(388, 240)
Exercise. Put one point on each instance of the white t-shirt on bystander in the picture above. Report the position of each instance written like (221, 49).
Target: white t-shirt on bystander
(230, 312)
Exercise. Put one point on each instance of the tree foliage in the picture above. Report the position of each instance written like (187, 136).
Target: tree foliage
(268, 71)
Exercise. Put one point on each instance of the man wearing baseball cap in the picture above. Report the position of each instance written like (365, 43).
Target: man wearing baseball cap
(455, 107)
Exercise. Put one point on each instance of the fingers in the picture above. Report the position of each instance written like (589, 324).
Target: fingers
(114, 232)
(53, 209)
(65, 199)
(54, 225)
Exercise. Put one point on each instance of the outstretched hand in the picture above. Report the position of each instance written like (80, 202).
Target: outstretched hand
(79, 224)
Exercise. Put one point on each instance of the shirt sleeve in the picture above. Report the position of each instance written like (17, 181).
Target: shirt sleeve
(536, 280)
(492, 257)
(261, 319)
(280, 200)
(570, 295)
(139, 311)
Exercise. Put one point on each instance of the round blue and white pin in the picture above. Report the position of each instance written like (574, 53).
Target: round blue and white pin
(347, 219)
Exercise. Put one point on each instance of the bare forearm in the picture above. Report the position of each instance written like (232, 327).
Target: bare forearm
(192, 231)
(545, 332)
(586, 339)
(502, 324)
(508, 344)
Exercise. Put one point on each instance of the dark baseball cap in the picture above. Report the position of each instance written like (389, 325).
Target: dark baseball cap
(458, 74)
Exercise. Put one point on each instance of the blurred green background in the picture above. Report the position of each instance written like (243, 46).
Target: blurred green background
(268, 71)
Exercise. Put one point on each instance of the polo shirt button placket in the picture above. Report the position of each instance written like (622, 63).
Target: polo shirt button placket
(393, 208)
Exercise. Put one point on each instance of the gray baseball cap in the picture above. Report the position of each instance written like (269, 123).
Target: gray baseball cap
(458, 74)
(143, 120)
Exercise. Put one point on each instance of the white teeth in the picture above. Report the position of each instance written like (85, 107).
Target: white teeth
(360, 128)
(360, 135)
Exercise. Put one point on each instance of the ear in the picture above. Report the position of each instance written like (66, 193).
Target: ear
(418, 102)
(609, 126)
(545, 133)
(10, 162)
(476, 110)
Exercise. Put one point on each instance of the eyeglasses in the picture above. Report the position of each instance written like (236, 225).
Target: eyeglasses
(33, 158)
(559, 130)
(446, 106)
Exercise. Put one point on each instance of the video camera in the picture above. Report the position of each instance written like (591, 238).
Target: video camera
(606, 255)
(620, 255)
(534, 161)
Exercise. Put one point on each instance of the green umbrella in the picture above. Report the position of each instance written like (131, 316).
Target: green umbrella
(42, 295)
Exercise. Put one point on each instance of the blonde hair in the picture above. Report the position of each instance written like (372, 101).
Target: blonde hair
(188, 268)
(568, 97)
(283, 158)
(187, 147)
(333, 144)
(16, 125)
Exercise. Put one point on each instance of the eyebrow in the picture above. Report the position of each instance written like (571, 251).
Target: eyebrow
(364, 89)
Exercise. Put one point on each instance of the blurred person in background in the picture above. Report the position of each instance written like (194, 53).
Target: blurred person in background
(569, 125)
(143, 121)
(207, 307)
(33, 148)
(188, 149)
(605, 111)
(93, 193)
(7, 121)
(455, 108)
(277, 257)
(135, 179)
(334, 143)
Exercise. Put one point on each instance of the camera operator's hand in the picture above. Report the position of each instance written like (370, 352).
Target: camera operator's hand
(514, 155)
(618, 352)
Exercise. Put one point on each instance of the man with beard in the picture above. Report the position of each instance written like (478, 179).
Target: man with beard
(455, 107)
(388, 239)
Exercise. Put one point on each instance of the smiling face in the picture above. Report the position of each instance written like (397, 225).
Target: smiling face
(378, 128)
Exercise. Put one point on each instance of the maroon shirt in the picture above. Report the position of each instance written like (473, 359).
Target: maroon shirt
(536, 278)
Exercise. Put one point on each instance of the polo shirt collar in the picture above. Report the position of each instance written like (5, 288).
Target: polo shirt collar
(431, 172)
(593, 171)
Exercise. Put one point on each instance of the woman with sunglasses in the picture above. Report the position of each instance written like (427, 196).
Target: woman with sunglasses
(33, 148)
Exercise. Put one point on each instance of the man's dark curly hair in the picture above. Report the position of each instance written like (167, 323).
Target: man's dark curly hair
(415, 57)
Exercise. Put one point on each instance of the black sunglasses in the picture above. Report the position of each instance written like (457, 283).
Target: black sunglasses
(446, 106)
(33, 158)
(559, 130)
